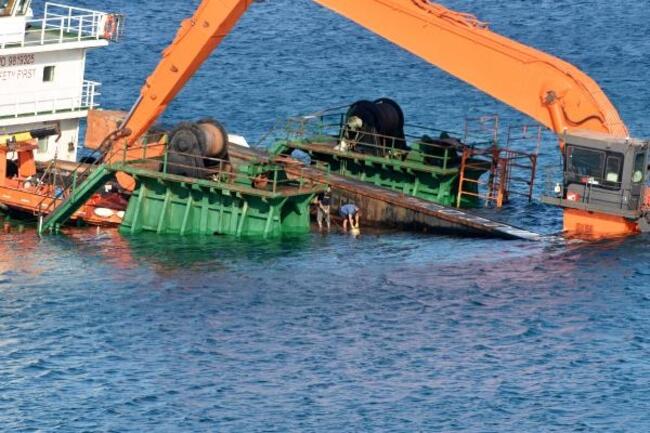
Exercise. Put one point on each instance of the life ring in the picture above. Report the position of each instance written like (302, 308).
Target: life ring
(110, 27)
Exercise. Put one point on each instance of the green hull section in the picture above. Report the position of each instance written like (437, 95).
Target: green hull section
(170, 207)
(257, 200)
(431, 178)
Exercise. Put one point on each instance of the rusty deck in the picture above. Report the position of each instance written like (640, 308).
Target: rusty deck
(390, 209)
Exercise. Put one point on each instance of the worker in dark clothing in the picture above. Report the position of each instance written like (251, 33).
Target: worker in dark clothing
(350, 214)
(323, 206)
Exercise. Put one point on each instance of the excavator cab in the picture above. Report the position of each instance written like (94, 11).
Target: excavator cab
(605, 185)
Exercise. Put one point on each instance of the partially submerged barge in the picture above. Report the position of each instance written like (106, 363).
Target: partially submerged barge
(246, 200)
(402, 177)
(370, 152)
(370, 142)
(255, 193)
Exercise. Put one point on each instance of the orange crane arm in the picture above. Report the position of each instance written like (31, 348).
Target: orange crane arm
(550, 90)
(555, 93)
(196, 39)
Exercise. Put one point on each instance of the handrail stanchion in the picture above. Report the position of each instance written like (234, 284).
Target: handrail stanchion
(165, 160)
(275, 180)
(61, 31)
(69, 19)
(43, 25)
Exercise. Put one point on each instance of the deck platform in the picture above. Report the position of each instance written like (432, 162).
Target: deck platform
(386, 208)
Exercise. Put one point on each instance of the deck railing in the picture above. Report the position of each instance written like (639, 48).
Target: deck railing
(63, 24)
(591, 191)
(268, 177)
(50, 102)
(331, 127)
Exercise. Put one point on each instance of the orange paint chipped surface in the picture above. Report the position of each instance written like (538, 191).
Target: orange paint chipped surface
(597, 225)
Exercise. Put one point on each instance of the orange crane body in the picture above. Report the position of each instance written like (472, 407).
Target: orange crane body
(553, 92)
(550, 90)
(196, 39)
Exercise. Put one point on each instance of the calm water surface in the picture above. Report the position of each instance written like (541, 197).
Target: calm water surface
(393, 332)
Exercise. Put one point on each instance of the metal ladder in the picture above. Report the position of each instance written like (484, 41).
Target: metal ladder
(505, 165)
(57, 212)
(74, 201)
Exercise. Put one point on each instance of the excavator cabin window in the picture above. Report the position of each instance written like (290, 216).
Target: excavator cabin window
(583, 162)
(638, 174)
(594, 166)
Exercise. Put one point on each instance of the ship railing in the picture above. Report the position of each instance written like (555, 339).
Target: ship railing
(327, 123)
(523, 144)
(62, 24)
(63, 187)
(67, 185)
(35, 103)
(265, 176)
(590, 193)
(331, 127)
(484, 128)
(271, 178)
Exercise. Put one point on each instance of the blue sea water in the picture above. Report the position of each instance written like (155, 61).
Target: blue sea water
(392, 332)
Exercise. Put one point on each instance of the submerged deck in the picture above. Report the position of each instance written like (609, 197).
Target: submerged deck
(391, 209)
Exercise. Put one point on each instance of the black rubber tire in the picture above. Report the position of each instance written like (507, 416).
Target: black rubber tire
(381, 117)
(391, 120)
(395, 106)
(184, 165)
(187, 137)
(367, 112)
(186, 151)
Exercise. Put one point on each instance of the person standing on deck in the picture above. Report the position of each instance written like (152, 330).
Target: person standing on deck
(323, 203)
(350, 214)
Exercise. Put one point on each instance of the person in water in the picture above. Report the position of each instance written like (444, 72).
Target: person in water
(323, 203)
(350, 214)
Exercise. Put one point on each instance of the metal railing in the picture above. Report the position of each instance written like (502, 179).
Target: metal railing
(483, 129)
(267, 177)
(64, 186)
(50, 101)
(592, 192)
(475, 149)
(332, 128)
(62, 24)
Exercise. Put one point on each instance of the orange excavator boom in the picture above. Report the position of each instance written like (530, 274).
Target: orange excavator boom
(555, 93)
(549, 90)
(196, 39)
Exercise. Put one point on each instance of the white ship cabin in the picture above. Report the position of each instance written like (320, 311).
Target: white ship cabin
(42, 68)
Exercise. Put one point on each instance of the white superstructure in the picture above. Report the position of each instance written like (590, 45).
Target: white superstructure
(42, 67)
